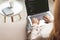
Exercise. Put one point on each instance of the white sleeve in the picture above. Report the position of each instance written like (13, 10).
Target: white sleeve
(46, 30)
(35, 32)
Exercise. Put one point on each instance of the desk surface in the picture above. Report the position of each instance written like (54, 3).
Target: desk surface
(16, 7)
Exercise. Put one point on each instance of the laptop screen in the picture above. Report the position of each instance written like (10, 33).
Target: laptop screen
(36, 6)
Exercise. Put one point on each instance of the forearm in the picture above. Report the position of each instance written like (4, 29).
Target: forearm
(57, 6)
(57, 14)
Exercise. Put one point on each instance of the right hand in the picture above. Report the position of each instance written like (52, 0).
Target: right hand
(35, 21)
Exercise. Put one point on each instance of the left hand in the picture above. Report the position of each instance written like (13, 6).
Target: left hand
(47, 19)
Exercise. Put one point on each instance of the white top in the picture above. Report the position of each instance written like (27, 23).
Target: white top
(42, 30)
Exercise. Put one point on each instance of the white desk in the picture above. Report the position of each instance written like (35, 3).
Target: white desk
(16, 7)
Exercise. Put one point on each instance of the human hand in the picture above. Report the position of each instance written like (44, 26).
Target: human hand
(35, 21)
(47, 19)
